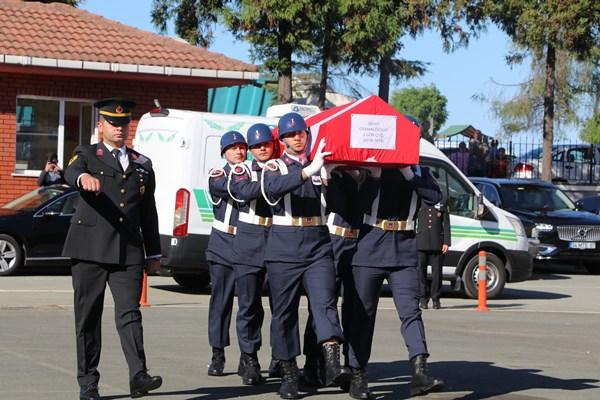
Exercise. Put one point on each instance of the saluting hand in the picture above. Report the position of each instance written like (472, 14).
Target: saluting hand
(89, 183)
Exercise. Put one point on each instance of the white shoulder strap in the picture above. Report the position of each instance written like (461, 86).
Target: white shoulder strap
(238, 169)
(273, 165)
(213, 173)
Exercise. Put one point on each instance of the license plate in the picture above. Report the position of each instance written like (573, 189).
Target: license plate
(582, 245)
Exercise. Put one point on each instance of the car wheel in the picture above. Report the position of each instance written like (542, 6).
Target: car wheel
(11, 255)
(193, 281)
(496, 276)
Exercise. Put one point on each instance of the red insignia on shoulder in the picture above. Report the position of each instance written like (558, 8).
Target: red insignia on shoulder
(99, 152)
(216, 172)
(238, 170)
(272, 166)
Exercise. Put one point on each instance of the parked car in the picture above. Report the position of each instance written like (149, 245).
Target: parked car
(33, 228)
(591, 204)
(566, 233)
(570, 164)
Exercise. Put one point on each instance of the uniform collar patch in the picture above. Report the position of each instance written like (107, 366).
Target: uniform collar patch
(99, 152)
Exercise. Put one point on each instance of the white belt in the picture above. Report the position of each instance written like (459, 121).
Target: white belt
(255, 219)
(223, 227)
(298, 221)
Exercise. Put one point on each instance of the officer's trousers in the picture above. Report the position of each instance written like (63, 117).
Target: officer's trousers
(249, 281)
(430, 289)
(404, 284)
(285, 282)
(89, 284)
(222, 288)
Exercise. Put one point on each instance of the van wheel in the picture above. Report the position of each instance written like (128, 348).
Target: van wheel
(592, 268)
(193, 281)
(11, 255)
(496, 276)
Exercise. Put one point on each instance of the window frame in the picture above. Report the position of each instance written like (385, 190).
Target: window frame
(61, 129)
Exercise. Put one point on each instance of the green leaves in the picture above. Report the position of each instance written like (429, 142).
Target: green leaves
(426, 104)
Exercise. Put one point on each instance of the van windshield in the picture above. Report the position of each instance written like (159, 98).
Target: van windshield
(535, 198)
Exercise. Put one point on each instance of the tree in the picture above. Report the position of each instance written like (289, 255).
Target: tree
(194, 19)
(544, 27)
(426, 104)
(591, 130)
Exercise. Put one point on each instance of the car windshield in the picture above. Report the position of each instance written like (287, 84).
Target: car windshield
(34, 199)
(535, 198)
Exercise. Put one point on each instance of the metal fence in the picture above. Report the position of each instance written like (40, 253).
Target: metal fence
(573, 162)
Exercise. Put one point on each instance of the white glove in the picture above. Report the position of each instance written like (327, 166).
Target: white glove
(375, 172)
(407, 173)
(315, 166)
(326, 170)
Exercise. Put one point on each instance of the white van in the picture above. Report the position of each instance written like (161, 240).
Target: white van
(184, 146)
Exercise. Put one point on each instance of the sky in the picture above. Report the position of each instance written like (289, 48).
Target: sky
(479, 69)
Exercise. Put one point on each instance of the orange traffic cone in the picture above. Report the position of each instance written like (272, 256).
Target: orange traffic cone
(482, 281)
(144, 298)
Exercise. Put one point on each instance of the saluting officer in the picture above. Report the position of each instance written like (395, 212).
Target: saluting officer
(249, 244)
(344, 218)
(220, 258)
(299, 254)
(113, 234)
(387, 250)
(433, 240)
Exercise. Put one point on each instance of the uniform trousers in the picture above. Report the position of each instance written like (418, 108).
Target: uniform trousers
(343, 279)
(222, 289)
(249, 281)
(430, 289)
(404, 285)
(285, 281)
(89, 284)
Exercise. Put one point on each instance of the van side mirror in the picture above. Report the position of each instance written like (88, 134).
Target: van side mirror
(478, 205)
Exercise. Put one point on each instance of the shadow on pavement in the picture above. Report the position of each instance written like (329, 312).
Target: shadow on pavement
(479, 379)
(515, 294)
(180, 289)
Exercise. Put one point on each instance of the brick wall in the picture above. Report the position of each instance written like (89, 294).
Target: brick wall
(188, 96)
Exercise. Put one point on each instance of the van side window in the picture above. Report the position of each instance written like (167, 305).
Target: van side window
(212, 154)
(459, 196)
(490, 193)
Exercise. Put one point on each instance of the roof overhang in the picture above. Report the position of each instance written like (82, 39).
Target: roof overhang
(80, 68)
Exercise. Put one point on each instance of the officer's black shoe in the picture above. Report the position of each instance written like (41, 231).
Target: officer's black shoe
(436, 304)
(249, 369)
(423, 303)
(142, 383)
(289, 380)
(422, 382)
(334, 373)
(359, 385)
(275, 369)
(89, 392)
(217, 362)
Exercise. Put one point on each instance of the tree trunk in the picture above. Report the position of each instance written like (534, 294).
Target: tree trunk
(324, 70)
(284, 73)
(384, 77)
(548, 113)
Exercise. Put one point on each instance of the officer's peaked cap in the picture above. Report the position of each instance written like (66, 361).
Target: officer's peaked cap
(115, 110)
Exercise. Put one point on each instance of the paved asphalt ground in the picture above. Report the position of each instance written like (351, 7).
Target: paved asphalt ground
(539, 341)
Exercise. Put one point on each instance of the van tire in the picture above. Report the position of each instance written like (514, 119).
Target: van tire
(496, 276)
(11, 255)
(193, 281)
(592, 268)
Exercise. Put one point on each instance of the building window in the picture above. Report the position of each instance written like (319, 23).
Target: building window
(46, 126)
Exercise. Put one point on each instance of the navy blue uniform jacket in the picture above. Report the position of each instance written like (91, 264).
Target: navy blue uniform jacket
(220, 243)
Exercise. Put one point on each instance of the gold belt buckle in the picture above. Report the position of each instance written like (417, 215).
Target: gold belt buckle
(265, 221)
(231, 230)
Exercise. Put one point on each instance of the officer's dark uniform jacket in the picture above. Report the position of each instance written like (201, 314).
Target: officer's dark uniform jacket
(345, 209)
(254, 217)
(225, 219)
(296, 199)
(117, 225)
(393, 199)
(433, 227)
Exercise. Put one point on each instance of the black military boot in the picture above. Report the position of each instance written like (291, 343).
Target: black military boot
(217, 362)
(275, 368)
(334, 373)
(359, 385)
(423, 303)
(289, 380)
(249, 369)
(437, 304)
(422, 382)
(311, 373)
